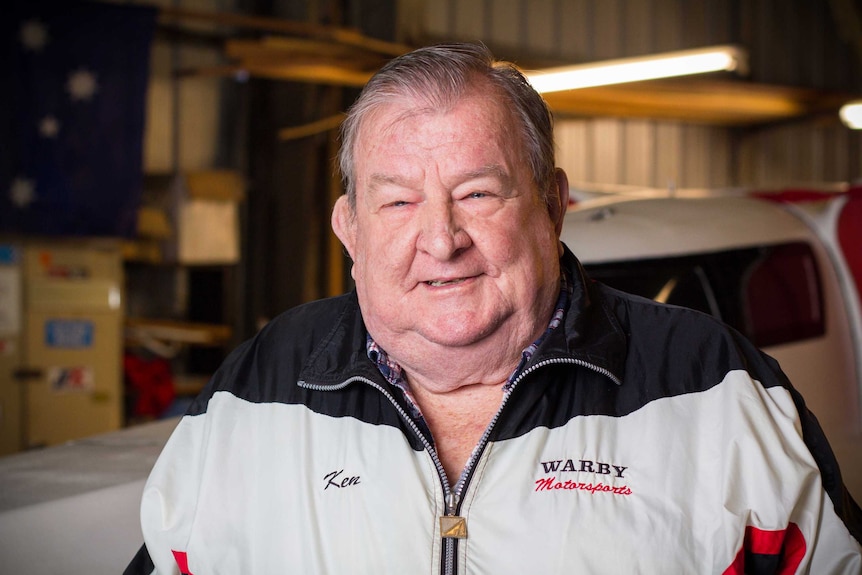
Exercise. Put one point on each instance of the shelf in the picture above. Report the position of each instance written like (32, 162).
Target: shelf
(142, 331)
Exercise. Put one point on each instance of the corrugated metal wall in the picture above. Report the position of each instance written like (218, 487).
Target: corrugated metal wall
(791, 42)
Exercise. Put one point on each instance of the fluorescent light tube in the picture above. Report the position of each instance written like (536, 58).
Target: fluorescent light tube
(851, 114)
(665, 65)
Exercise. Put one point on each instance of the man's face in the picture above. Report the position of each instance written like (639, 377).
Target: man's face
(450, 240)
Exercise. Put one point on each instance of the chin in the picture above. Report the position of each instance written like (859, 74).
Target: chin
(457, 332)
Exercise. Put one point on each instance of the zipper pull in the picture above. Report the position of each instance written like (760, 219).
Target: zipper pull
(451, 502)
(453, 526)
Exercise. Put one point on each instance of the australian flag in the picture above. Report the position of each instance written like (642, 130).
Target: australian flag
(72, 109)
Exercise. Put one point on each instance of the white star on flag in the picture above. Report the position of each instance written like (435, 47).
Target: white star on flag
(49, 127)
(22, 193)
(73, 96)
(82, 85)
(33, 35)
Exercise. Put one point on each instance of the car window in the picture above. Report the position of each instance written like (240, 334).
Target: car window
(678, 281)
(782, 296)
(772, 294)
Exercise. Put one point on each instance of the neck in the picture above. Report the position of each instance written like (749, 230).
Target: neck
(441, 369)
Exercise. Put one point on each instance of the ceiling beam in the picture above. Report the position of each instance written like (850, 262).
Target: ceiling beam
(346, 36)
(305, 52)
(700, 100)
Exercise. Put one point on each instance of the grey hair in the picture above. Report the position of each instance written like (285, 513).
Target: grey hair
(439, 75)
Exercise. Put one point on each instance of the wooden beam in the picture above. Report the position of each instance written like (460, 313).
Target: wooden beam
(329, 75)
(304, 29)
(695, 100)
(321, 55)
(277, 51)
(311, 129)
(313, 73)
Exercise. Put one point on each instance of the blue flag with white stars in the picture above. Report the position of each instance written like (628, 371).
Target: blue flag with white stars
(72, 109)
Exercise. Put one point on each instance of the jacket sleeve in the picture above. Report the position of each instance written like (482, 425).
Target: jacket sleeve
(825, 523)
(169, 501)
(845, 506)
(839, 548)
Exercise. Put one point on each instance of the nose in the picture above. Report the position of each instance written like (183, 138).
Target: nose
(442, 235)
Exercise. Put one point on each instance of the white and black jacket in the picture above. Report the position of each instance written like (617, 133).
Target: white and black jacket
(640, 438)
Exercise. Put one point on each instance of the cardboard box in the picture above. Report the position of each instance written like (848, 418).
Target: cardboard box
(201, 210)
(206, 218)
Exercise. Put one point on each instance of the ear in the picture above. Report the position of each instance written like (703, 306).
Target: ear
(344, 224)
(558, 200)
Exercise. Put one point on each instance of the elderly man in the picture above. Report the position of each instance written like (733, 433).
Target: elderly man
(477, 405)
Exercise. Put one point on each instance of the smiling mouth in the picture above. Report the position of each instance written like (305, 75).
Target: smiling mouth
(438, 283)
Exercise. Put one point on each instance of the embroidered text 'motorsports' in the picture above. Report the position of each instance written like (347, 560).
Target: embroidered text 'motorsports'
(583, 466)
(553, 484)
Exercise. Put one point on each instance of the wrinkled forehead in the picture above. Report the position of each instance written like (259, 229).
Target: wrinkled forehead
(486, 109)
(425, 94)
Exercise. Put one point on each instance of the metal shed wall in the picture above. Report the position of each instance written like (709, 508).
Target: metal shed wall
(791, 42)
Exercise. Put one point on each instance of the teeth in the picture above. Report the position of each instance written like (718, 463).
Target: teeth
(444, 283)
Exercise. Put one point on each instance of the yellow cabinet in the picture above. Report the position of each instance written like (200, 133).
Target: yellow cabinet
(69, 377)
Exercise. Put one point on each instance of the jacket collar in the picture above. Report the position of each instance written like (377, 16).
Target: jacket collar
(590, 335)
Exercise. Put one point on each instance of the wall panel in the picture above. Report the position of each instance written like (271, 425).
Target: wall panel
(667, 25)
(721, 169)
(837, 162)
(694, 23)
(639, 35)
(574, 151)
(606, 141)
(719, 26)
(638, 153)
(505, 23)
(199, 111)
(437, 19)
(158, 130)
(539, 17)
(467, 20)
(747, 162)
(812, 38)
(668, 154)
(574, 37)
(794, 42)
(184, 115)
(607, 30)
(696, 168)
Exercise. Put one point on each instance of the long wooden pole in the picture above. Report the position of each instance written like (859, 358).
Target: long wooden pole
(305, 29)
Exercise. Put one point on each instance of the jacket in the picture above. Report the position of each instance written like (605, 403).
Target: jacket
(640, 438)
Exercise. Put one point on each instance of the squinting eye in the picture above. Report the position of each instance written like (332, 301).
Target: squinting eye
(476, 195)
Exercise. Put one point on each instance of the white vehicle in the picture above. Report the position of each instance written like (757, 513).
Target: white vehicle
(781, 272)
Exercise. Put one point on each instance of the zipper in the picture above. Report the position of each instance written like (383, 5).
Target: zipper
(477, 453)
(452, 497)
(453, 504)
(450, 545)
